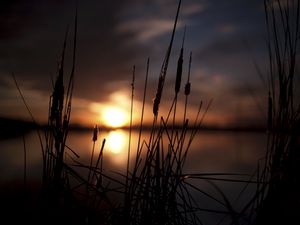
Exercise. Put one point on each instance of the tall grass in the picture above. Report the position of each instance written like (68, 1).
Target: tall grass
(278, 197)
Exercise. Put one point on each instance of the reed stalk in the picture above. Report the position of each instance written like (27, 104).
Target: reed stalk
(95, 137)
(277, 198)
(187, 88)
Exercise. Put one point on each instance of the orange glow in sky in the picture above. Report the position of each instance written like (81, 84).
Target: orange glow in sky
(113, 113)
(114, 117)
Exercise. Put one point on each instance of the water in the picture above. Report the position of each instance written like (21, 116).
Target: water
(210, 152)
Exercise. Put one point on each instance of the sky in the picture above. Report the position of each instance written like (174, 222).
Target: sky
(227, 40)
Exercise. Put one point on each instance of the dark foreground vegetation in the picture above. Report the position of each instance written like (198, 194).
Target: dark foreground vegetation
(154, 189)
(278, 198)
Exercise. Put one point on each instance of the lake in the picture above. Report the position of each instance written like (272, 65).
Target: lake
(210, 152)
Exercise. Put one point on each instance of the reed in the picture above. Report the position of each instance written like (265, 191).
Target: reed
(187, 88)
(95, 137)
(277, 198)
(155, 190)
(158, 192)
(164, 67)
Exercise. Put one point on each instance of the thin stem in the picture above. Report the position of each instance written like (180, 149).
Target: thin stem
(25, 163)
(30, 113)
(91, 161)
(130, 128)
(143, 107)
(187, 88)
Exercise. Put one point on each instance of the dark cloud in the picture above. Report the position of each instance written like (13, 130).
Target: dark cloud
(105, 54)
(34, 49)
(13, 15)
(232, 55)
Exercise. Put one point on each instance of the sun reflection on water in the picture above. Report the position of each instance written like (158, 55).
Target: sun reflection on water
(116, 141)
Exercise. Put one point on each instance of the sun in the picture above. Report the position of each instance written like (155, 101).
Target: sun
(114, 117)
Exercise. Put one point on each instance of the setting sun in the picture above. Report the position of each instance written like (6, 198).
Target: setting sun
(114, 117)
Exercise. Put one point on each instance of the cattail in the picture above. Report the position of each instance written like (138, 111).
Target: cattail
(95, 137)
(179, 72)
(95, 133)
(187, 89)
(164, 68)
(57, 98)
(158, 95)
(65, 122)
(58, 92)
(179, 67)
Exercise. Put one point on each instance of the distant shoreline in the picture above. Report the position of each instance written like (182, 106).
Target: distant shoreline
(11, 128)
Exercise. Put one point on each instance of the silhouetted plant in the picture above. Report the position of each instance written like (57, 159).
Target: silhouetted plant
(278, 195)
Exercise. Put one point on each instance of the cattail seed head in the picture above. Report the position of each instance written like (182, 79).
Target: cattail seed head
(187, 89)
(57, 99)
(158, 95)
(95, 133)
(65, 122)
(179, 72)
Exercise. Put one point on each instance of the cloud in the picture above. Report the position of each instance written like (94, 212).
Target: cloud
(193, 8)
(33, 55)
(146, 29)
(233, 56)
(147, 21)
(227, 28)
